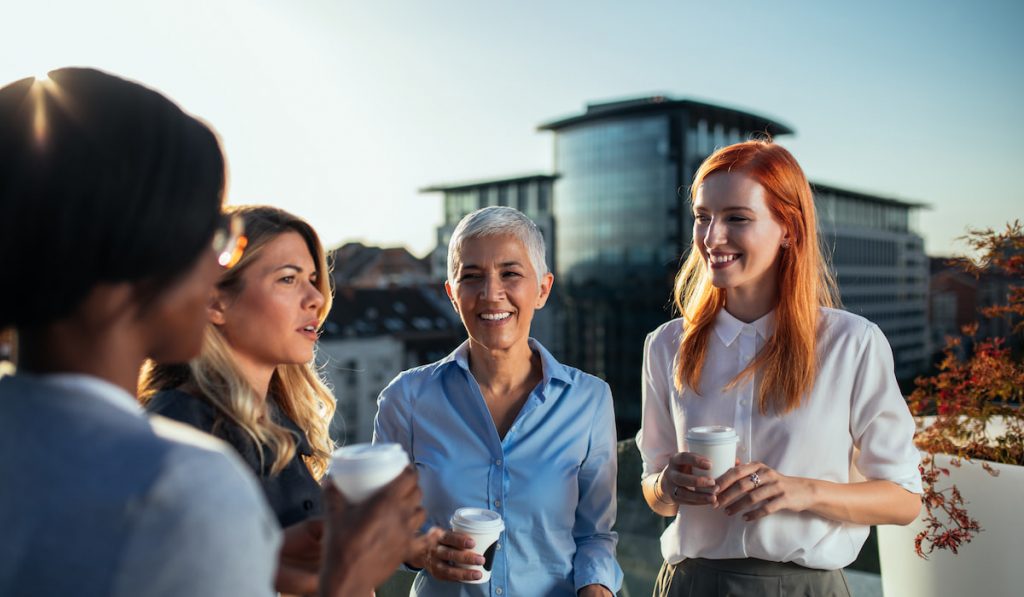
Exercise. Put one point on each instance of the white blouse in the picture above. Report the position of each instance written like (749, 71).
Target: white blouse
(855, 403)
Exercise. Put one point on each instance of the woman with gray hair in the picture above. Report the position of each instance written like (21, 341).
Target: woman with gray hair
(500, 425)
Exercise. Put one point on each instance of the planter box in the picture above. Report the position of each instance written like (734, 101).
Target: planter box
(989, 565)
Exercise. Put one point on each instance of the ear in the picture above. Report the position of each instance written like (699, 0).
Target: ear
(216, 309)
(451, 297)
(546, 281)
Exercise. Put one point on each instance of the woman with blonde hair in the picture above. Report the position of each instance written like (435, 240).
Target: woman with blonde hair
(254, 384)
(761, 348)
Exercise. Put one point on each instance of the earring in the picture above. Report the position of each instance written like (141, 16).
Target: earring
(785, 244)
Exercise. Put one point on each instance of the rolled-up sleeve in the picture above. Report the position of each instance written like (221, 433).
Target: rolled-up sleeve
(880, 422)
(594, 562)
(657, 436)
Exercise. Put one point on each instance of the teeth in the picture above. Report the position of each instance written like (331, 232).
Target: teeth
(723, 258)
(495, 316)
(309, 328)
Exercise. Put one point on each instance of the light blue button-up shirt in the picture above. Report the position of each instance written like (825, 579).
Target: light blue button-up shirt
(552, 478)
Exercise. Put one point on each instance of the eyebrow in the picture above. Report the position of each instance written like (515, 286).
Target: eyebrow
(727, 209)
(287, 266)
(502, 264)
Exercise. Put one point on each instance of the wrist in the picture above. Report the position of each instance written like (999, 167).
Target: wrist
(659, 492)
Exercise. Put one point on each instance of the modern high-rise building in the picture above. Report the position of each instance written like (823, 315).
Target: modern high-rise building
(623, 223)
(882, 270)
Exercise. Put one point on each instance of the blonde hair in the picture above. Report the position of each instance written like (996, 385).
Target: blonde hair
(789, 360)
(297, 388)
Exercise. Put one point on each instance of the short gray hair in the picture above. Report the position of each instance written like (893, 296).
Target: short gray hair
(499, 221)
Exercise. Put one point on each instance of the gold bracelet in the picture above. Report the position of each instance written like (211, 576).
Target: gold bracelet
(657, 490)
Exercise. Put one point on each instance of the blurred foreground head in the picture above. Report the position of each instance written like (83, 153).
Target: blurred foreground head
(102, 181)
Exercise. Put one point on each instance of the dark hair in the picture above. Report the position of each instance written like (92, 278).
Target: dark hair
(101, 180)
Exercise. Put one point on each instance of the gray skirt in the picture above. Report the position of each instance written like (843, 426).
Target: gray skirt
(700, 577)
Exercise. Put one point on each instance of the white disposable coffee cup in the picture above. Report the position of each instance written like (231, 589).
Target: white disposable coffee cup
(485, 527)
(717, 443)
(360, 470)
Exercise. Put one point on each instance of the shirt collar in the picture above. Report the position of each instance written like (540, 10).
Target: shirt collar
(80, 383)
(551, 368)
(729, 328)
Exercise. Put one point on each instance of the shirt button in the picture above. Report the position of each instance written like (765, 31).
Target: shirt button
(498, 462)
(497, 546)
(498, 591)
(497, 503)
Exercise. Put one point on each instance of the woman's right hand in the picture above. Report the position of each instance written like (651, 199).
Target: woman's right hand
(454, 548)
(678, 481)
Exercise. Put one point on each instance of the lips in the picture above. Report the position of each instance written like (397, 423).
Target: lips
(722, 260)
(310, 329)
(495, 318)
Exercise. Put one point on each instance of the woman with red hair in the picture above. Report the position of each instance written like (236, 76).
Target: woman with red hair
(809, 390)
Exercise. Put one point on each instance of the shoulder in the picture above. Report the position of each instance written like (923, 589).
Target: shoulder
(665, 338)
(839, 324)
(585, 383)
(850, 334)
(217, 532)
(184, 407)
(202, 469)
(411, 383)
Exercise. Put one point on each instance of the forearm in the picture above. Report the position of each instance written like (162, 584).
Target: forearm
(867, 502)
(657, 501)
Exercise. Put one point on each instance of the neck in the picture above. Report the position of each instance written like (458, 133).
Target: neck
(74, 346)
(258, 375)
(502, 370)
(750, 304)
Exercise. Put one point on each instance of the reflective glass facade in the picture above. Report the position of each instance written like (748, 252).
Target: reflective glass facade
(619, 231)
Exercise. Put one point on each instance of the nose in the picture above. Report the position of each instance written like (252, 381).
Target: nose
(314, 299)
(492, 289)
(714, 234)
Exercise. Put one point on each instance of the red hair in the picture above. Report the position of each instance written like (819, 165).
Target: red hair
(788, 362)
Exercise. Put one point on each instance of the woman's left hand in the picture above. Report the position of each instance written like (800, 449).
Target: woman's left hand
(595, 591)
(758, 490)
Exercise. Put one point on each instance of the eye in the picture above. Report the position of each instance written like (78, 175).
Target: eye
(701, 218)
(287, 279)
(738, 219)
(464, 277)
(511, 274)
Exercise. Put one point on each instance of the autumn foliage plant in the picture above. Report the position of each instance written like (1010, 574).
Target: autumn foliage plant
(974, 401)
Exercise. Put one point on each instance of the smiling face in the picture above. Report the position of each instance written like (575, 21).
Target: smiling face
(273, 319)
(737, 236)
(495, 291)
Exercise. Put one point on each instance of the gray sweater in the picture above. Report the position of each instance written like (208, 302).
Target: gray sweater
(98, 500)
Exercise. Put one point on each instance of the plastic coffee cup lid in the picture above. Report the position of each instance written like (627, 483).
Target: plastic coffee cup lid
(478, 520)
(712, 434)
(366, 458)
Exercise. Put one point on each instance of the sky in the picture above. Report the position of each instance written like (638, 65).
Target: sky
(340, 111)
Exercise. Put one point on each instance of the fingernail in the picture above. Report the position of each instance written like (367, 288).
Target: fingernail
(477, 575)
(470, 544)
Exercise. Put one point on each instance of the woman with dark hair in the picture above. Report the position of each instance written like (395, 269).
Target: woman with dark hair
(760, 348)
(254, 384)
(112, 238)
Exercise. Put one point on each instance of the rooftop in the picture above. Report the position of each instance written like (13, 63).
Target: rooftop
(660, 103)
(484, 182)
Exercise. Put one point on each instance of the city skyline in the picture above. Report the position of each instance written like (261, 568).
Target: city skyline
(327, 109)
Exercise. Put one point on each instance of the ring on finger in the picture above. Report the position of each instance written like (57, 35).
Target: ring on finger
(755, 479)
